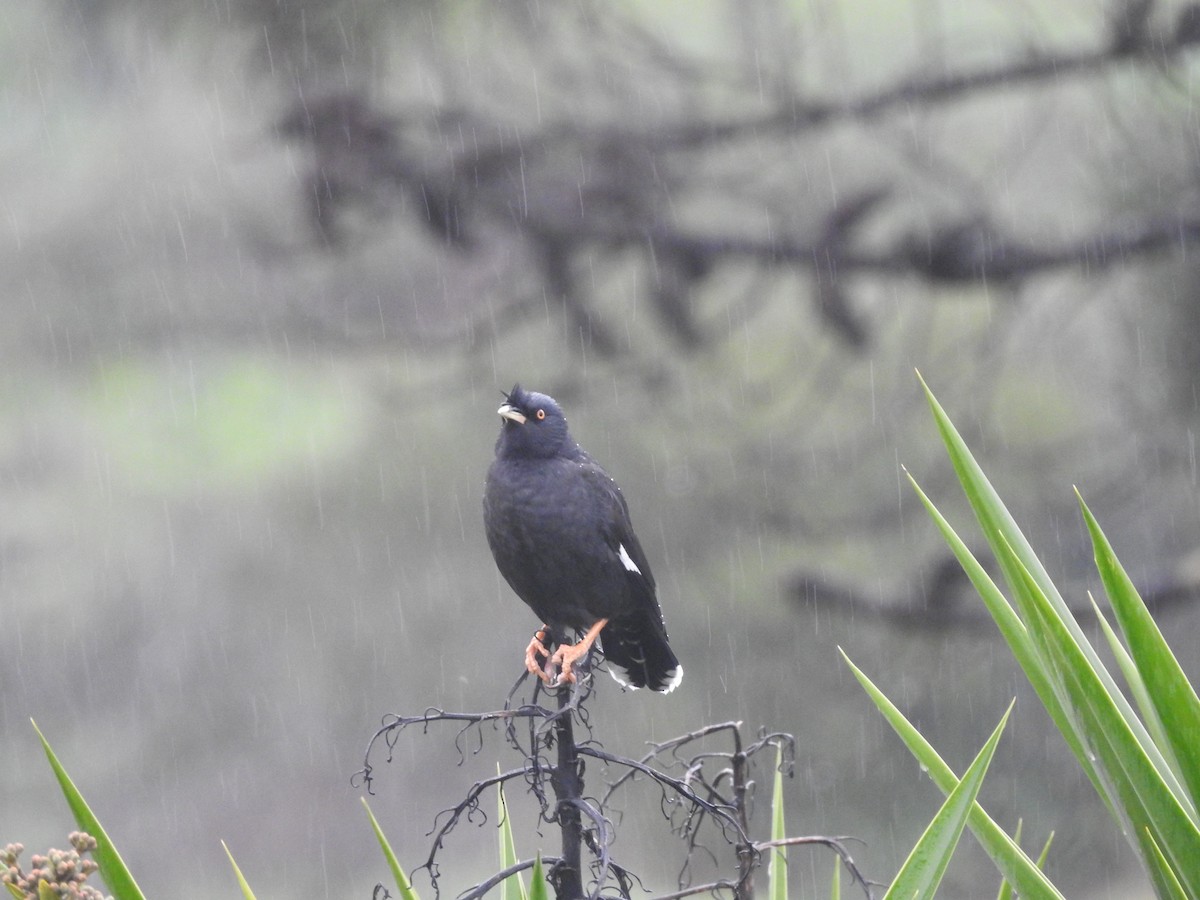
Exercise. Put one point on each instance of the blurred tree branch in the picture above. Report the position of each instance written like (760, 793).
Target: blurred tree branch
(572, 187)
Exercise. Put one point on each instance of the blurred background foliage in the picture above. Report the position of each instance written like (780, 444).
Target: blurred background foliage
(265, 267)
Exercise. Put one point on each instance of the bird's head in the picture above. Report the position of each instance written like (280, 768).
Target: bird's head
(532, 426)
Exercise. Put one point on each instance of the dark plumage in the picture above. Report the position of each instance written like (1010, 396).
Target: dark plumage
(561, 535)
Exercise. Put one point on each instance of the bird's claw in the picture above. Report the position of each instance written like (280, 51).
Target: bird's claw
(559, 671)
(564, 659)
(535, 650)
(558, 667)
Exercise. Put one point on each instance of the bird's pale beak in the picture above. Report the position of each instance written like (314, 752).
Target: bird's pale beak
(511, 412)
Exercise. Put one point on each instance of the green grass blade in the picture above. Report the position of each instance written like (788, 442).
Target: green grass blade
(1172, 694)
(113, 870)
(247, 894)
(537, 888)
(402, 883)
(922, 872)
(777, 886)
(512, 886)
(1009, 858)
(835, 884)
(1143, 798)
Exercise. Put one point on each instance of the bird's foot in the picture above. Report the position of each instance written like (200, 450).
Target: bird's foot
(567, 655)
(535, 650)
(565, 658)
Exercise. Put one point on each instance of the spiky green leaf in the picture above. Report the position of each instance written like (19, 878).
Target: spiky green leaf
(922, 872)
(247, 894)
(512, 886)
(537, 887)
(1173, 697)
(112, 868)
(1009, 858)
(1138, 782)
(777, 888)
(402, 883)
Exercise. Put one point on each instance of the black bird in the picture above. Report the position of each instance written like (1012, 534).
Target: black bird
(560, 531)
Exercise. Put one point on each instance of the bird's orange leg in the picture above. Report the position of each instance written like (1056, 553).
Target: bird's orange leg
(535, 649)
(568, 654)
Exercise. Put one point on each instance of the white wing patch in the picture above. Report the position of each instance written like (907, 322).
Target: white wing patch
(628, 563)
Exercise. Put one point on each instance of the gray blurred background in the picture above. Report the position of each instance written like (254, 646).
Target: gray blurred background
(265, 267)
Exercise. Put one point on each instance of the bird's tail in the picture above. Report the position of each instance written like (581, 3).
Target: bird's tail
(639, 656)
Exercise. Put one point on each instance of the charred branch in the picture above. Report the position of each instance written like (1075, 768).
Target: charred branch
(698, 784)
(566, 779)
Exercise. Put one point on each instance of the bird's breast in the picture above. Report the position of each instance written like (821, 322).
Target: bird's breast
(546, 528)
(540, 500)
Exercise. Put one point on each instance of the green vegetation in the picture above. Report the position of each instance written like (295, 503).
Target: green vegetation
(1146, 768)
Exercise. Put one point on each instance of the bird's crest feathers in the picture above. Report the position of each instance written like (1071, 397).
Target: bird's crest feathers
(529, 402)
(534, 426)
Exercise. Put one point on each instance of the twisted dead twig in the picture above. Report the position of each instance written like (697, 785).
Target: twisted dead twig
(723, 813)
(736, 888)
(712, 887)
(836, 844)
(484, 886)
(673, 745)
(394, 724)
(709, 789)
(468, 805)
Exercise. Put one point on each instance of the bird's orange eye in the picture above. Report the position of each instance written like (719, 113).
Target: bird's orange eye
(541, 414)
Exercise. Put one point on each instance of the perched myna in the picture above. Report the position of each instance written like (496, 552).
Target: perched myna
(560, 532)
